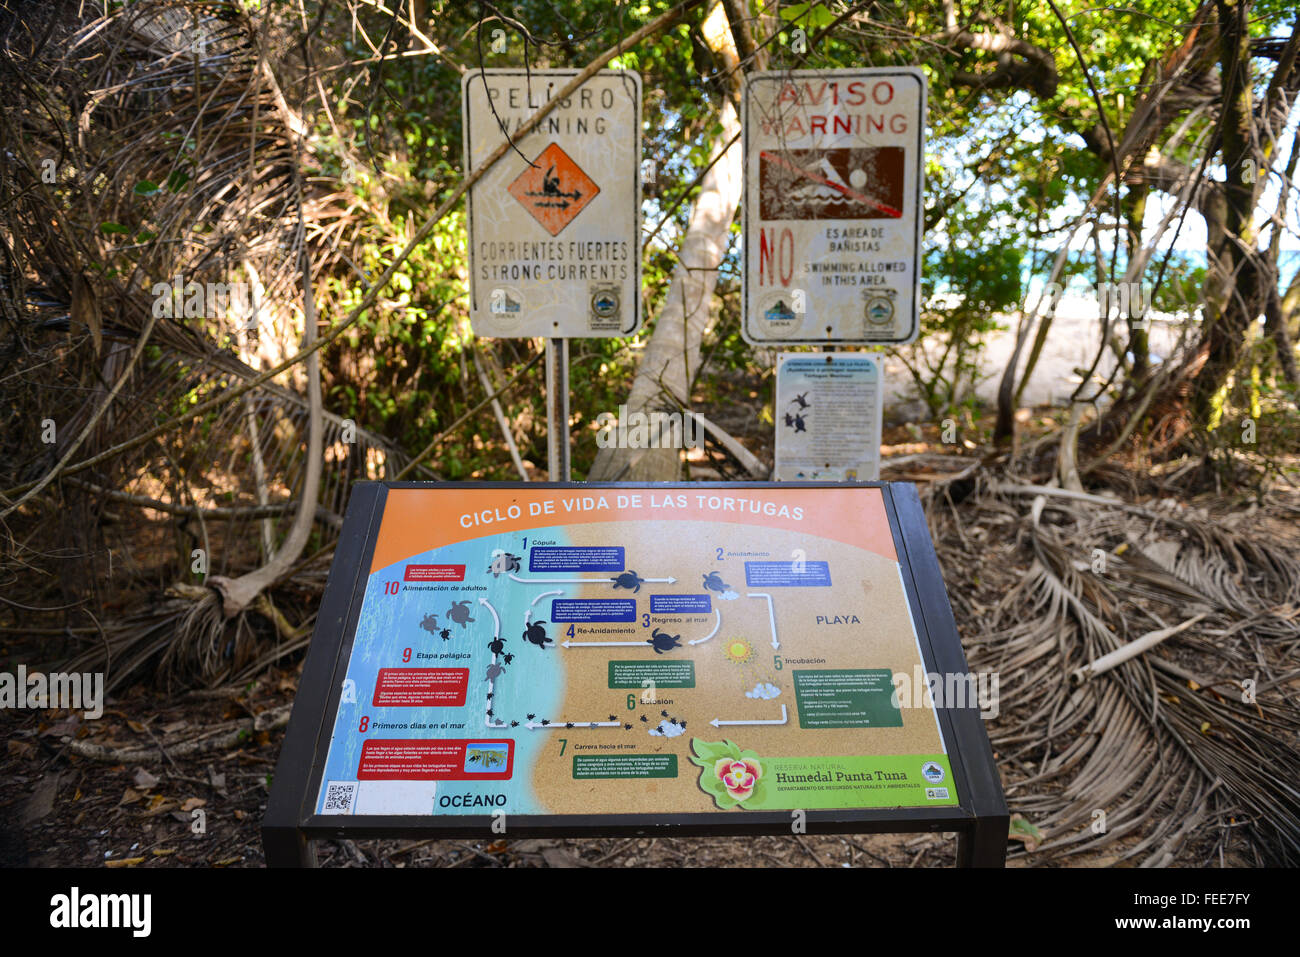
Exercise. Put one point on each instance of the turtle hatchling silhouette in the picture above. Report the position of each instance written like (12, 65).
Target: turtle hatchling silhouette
(459, 613)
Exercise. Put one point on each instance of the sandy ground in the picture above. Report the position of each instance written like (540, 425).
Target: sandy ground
(1075, 335)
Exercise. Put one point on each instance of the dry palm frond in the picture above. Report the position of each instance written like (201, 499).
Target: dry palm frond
(1167, 740)
(145, 144)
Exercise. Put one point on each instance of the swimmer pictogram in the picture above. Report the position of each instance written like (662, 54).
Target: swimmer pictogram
(554, 189)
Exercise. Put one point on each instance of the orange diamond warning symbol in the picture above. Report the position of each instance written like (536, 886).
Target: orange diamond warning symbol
(554, 189)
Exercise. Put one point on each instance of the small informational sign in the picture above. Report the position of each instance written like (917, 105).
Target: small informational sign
(828, 417)
(594, 657)
(554, 238)
(832, 206)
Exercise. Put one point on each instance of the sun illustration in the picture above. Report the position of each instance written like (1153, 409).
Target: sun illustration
(738, 651)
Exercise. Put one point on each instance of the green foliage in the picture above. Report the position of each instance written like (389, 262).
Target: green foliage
(1006, 171)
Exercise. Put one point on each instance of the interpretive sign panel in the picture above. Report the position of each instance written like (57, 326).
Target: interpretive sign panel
(828, 417)
(612, 656)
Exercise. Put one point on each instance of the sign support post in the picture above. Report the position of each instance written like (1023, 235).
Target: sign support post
(557, 409)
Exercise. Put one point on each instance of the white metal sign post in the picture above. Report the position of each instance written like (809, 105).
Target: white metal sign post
(554, 226)
(832, 208)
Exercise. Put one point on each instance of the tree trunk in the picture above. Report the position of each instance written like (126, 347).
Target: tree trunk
(672, 357)
(1226, 325)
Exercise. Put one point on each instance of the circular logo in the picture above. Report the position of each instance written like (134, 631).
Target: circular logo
(505, 301)
(604, 304)
(879, 310)
(932, 772)
(781, 311)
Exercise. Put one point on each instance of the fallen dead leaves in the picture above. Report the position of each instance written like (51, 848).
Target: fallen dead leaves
(142, 793)
(145, 780)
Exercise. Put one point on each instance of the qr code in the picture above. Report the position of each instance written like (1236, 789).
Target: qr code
(339, 797)
(936, 794)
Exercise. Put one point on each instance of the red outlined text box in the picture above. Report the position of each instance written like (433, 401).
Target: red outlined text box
(389, 759)
(434, 573)
(421, 688)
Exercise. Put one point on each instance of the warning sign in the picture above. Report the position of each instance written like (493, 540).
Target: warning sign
(554, 189)
(832, 211)
(554, 226)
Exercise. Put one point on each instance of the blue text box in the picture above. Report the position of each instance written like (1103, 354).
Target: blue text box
(787, 574)
(576, 558)
(593, 609)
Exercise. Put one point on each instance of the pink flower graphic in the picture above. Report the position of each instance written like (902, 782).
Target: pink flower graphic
(738, 776)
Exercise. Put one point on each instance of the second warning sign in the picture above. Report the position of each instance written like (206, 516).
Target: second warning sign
(833, 206)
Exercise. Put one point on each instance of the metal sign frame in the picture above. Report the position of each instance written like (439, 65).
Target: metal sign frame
(290, 824)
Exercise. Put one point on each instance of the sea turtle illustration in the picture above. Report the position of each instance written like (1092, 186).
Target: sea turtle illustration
(507, 658)
(799, 424)
(536, 634)
(503, 562)
(789, 419)
(494, 672)
(662, 641)
(713, 582)
(430, 623)
(497, 646)
(459, 613)
(445, 634)
(629, 579)
(802, 399)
